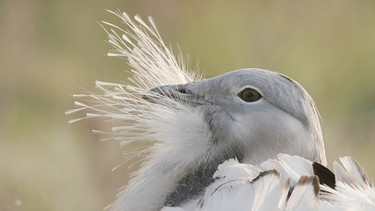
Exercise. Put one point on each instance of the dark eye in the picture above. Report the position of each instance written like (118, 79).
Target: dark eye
(249, 95)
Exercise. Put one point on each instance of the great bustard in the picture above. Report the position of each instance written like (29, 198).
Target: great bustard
(249, 139)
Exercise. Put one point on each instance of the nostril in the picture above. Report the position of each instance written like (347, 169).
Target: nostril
(182, 90)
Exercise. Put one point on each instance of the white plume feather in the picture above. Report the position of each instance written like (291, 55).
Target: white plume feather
(153, 64)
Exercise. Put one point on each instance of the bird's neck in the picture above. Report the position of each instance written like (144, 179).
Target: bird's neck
(193, 183)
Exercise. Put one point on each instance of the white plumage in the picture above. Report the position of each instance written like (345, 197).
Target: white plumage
(284, 183)
(216, 144)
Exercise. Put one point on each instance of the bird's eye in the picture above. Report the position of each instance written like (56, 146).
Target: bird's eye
(249, 95)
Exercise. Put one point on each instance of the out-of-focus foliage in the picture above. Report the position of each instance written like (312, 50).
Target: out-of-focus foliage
(51, 49)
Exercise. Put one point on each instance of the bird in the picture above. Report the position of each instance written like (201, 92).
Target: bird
(249, 139)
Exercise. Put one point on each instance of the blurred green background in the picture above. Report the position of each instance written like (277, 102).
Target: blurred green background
(51, 49)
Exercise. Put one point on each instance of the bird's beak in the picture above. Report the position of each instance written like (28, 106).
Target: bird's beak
(178, 93)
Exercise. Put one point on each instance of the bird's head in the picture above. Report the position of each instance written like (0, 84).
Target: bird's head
(251, 113)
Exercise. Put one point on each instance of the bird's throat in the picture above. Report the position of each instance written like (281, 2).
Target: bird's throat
(193, 184)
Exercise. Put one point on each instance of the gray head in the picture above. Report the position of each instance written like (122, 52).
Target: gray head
(258, 113)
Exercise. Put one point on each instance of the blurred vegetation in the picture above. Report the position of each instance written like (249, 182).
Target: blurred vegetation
(51, 49)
